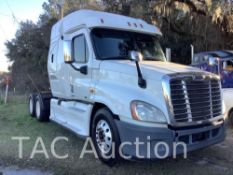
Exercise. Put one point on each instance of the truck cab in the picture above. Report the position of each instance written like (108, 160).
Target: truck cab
(221, 64)
(110, 81)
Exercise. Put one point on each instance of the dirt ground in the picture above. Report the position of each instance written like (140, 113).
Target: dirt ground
(15, 121)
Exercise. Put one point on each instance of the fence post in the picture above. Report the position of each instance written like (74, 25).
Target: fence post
(168, 54)
(1, 95)
(192, 52)
(7, 89)
(6, 93)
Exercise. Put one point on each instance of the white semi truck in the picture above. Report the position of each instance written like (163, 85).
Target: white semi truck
(110, 81)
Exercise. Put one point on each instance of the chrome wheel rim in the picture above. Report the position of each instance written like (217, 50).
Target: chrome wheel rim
(30, 106)
(37, 109)
(103, 136)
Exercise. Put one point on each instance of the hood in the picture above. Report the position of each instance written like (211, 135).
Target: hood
(150, 69)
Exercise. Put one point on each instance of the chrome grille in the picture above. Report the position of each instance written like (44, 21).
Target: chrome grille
(195, 98)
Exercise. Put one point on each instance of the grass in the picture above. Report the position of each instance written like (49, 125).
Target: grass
(15, 121)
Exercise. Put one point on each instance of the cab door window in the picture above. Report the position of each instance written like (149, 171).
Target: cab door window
(228, 65)
(80, 50)
(200, 59)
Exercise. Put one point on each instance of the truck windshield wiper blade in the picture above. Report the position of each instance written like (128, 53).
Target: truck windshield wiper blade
(151, 59)
(116, 58)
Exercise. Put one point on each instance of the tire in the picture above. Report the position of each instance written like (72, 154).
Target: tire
(31, 105)
(104, 132)
(41, 109)
(230, 119)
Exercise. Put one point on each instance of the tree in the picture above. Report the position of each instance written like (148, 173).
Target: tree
(29, 49)
(207, 24)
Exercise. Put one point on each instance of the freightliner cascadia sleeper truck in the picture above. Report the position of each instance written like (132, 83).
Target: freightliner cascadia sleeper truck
(110, 81)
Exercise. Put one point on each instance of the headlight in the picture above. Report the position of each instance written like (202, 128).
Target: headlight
(145, 112)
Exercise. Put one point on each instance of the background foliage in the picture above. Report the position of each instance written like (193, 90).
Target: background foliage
(207, 24)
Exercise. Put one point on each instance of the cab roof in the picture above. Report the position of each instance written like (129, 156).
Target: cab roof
(92, 19)
(222, 54)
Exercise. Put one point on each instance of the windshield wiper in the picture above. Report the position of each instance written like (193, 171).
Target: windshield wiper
(151, 59)
(116, 58)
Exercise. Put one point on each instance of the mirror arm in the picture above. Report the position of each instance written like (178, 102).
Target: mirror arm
(82, 69)
(141, 80)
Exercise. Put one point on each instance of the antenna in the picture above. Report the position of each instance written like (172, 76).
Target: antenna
(192, 52)
(60, 5)
(12, 13)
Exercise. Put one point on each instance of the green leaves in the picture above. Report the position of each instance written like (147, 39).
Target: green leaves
(205, 24)
(28, 52)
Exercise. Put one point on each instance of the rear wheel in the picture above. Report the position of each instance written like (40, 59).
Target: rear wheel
(31, 105)
(41, 110)
(105, 137)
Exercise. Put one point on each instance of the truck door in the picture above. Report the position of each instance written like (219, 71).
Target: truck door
(80, 74)
(226, 71)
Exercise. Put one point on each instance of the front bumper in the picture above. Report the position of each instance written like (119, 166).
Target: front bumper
(154, 139)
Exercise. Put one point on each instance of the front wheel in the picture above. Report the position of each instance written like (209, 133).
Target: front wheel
(230, 119)
(105, 137)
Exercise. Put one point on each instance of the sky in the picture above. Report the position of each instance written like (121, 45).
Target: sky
(22, 10)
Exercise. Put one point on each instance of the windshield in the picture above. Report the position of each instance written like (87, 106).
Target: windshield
(116, 44)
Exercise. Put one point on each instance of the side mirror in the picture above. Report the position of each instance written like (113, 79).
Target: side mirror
(135, 56)
(67, 52)
(213, 61)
